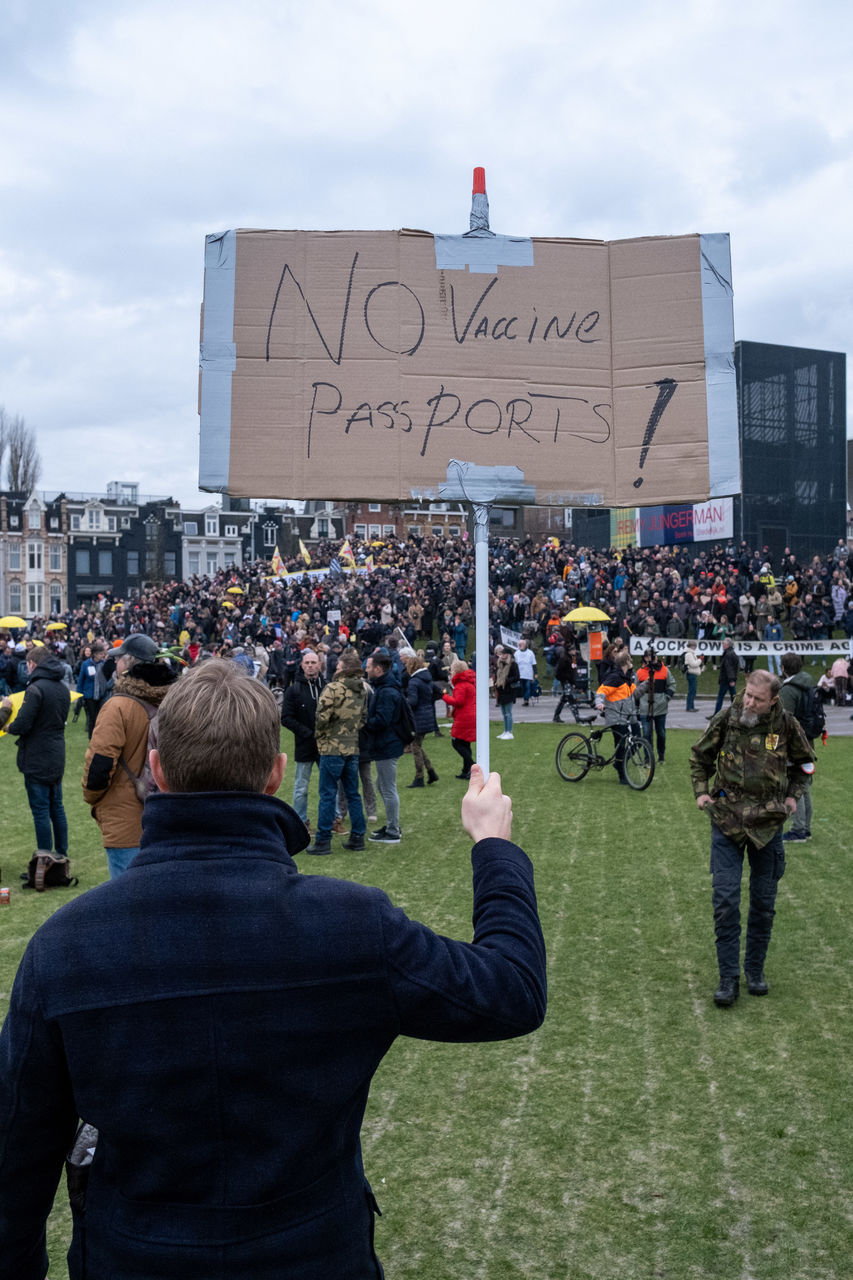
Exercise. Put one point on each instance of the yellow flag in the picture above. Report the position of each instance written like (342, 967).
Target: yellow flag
(278, 564)
(303, 551)
(345, 552)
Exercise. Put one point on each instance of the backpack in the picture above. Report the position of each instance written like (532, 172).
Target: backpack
(48, 871)
(810, 712)
(143, 783)
(404, 725)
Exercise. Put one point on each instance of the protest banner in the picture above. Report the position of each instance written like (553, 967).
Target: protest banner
(670, 646)
(356, 364)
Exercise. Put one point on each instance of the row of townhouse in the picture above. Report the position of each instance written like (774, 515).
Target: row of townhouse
(58, 551)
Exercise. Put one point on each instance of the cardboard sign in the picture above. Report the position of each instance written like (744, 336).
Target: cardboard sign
(357, 364)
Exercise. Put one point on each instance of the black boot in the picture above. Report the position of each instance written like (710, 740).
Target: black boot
(756, 984)
(319, 848)
(727, 992)
(418, 782)
(354, 842)
(432, 776)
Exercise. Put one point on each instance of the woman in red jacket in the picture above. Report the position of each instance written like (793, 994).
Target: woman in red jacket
(463, 700)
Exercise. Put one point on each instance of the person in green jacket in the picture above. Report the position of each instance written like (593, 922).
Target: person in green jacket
(748, 771)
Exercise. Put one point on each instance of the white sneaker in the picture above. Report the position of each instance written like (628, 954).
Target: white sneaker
(504, 735)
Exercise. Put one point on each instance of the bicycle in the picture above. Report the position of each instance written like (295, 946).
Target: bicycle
(577, 754)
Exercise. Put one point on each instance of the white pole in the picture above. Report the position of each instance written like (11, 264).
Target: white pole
(481, 628)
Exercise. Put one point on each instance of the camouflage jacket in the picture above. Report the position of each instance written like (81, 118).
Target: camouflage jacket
(748, 773)
(341, 712)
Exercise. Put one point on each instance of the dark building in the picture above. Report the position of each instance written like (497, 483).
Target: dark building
(793, 433)
(792, 420)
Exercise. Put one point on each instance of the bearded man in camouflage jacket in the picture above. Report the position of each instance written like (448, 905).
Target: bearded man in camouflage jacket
(760, 761)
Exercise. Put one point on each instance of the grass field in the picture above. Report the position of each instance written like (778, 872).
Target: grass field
(641, 1132)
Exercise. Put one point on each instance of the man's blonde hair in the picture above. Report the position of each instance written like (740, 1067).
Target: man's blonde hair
(218, 730)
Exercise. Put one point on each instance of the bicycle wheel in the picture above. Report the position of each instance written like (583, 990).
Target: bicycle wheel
(639, 765)
(573, 757)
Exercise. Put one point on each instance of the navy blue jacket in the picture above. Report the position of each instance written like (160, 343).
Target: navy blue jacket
(40, 724)
(419, 695)
(218, 1017)
(383, 712)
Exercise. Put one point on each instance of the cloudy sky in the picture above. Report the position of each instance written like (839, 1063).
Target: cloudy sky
(131, 131)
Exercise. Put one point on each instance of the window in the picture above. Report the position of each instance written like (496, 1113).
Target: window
(35, 597)
(170, 566)
(152, 529)
(75, 523)
(374, 530)
(414, 530)
(212, 560)
(125, 522)
(55, 557)
(230, 558)
(389, 530)
(191, 528)
(54, 522)
(150, 562)
(323, 527)
(231, 531)
(111, 524)
(34, 555)
(194, 559)
(13, 524)
(105, 564)
(55, 598)
(453, 530)
(14, 597)
(81, 560)
(269, 535)
(211, 526)
(374, 506)
(133, 564)
(361, 530)
(94, 514)
(34, 518)
(437, 531)
(15, 557)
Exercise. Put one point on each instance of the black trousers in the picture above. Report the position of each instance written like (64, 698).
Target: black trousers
(464, 749)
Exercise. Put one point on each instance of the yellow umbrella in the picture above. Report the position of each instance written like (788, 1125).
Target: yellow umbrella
(227, 604)
(13, 621)
(17, 699)
(55, 626)
(235, 591)
(40, 644)
(119, 604)
(586, 613)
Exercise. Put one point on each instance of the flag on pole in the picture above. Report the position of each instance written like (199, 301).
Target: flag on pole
(553, 543)
(369, 563)
(303, 551)
(345, 553)
(278, 568)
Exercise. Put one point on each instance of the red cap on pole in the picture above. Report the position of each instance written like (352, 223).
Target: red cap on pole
(479, 182)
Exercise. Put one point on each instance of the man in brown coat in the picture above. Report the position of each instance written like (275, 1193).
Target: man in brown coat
(118, 749)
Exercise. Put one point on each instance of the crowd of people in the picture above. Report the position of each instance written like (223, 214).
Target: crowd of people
(396, 621)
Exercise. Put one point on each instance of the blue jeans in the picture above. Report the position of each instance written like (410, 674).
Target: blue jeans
(301, 779)
(343, 769)
(119, 858)
(48, 811)
(506, 709)
(766, 868)
(526, 689)
(660, 732)
(725, 688)
(692, 681)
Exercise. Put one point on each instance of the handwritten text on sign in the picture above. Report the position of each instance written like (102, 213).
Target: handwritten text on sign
(360, 367)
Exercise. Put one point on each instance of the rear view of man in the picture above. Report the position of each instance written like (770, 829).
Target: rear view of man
(40, 729)
(218, 1018)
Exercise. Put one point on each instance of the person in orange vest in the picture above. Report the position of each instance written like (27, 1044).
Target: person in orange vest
(615, 697)
(655, 688)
